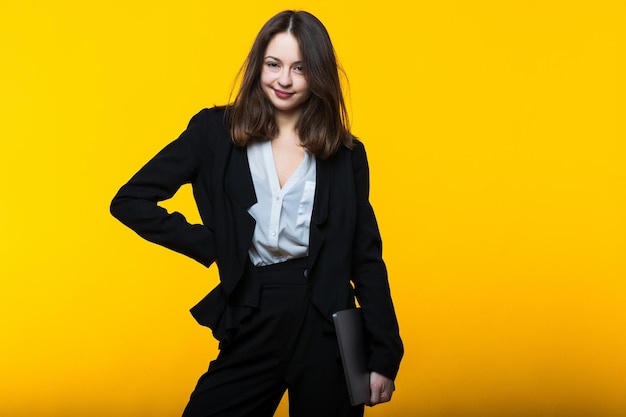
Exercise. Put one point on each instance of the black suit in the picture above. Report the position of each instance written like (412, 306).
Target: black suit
(344, 246)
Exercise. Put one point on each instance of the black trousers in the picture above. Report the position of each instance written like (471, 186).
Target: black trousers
(285, 345)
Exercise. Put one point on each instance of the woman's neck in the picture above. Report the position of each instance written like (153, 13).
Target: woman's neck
(286, 121)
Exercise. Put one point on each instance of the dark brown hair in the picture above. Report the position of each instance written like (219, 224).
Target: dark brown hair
(323, 126)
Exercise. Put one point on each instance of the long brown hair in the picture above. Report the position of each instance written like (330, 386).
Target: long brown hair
(323, 126)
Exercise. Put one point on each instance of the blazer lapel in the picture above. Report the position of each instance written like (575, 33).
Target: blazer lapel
(320, 210)
(238, 180)
(239, 190)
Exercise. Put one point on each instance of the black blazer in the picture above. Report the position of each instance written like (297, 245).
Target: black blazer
(345, 244)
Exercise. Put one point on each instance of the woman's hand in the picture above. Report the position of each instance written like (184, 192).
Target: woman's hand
(381, 389)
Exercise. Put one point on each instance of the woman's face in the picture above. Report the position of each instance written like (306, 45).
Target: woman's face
(283, 75)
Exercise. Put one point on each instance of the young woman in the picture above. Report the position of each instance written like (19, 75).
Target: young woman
(282, 189)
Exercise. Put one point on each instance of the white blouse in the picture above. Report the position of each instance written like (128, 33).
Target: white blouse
(283, 215)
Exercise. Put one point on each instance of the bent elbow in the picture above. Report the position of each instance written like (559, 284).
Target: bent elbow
(118, 209)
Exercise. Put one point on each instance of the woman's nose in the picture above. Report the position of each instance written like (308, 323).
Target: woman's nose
(285, 77)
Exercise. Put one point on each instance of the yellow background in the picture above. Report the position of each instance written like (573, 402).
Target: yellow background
(495, 131)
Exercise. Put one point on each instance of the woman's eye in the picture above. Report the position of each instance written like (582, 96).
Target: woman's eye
(299, 69)
(272, 65)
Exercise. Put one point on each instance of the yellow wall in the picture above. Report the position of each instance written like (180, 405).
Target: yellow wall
(495, 131)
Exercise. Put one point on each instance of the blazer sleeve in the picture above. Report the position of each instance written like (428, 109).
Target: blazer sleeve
(370, 278)
(136, 203)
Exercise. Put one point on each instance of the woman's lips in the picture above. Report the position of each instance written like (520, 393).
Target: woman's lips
(283, 94)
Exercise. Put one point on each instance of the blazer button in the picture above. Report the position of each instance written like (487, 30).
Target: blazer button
(306, 273)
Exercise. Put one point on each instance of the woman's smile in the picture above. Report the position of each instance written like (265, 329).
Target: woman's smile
(283, 94)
